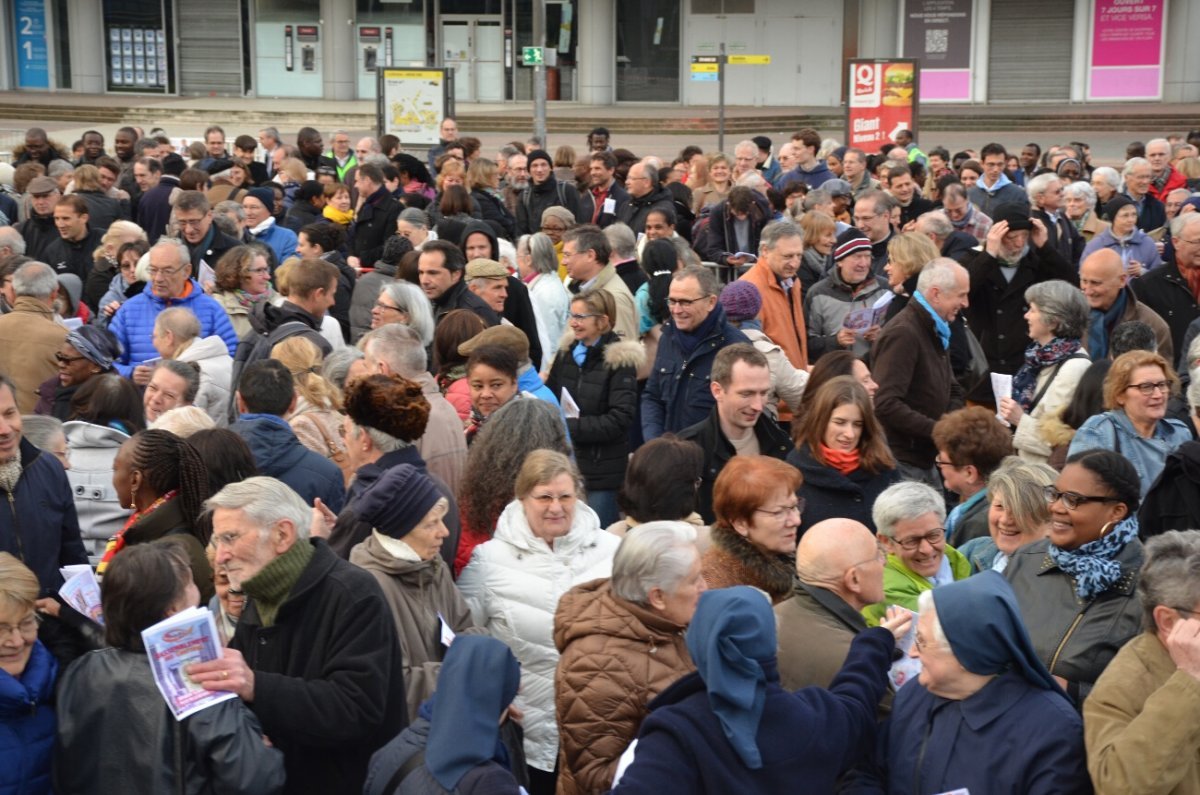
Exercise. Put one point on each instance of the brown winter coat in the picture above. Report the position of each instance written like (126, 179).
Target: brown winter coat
(732, 560)
(29, 338)
(616, 657)
(416, 592)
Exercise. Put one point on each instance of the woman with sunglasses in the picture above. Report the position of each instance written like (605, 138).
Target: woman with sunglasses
(1077, 588)
(1136, 391)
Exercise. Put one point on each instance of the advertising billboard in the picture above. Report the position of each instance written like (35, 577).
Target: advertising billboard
(883, 97)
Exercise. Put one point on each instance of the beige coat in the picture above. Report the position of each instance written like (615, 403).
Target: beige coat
(1141, 724)
(29, 338)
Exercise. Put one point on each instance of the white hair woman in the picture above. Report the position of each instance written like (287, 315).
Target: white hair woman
(1079, 200)
(621, 642)
(537, 264)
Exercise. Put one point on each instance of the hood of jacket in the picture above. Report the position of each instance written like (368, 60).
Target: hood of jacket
(593, 609)
(513, 528)
(273, 444)
(212, 347)
(372, 552)
(84, 434)
(483, 227)
(616, 353)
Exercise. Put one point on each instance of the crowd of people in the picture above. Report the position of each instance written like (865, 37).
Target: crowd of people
(587, 471)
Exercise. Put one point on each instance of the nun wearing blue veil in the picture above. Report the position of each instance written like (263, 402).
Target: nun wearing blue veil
(731, 728)
(985, 716)
(453, 746)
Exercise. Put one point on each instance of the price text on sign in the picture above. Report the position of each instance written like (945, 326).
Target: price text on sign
(883, 100)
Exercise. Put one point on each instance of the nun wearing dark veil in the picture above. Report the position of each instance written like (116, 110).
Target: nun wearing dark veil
(731, 728)
(454, 745)
(985, 715)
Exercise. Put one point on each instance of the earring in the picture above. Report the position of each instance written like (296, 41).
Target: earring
(1104, 530)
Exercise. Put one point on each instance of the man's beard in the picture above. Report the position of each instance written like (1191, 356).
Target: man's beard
(518, 184)
(1011, 258)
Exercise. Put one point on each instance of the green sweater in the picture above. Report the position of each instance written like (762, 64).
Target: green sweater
(270, 587)
(902, 586)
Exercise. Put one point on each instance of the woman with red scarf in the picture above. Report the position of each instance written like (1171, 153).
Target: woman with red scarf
(842, 453)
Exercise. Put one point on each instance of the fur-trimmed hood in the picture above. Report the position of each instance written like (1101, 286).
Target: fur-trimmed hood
(60, 149)
(1054, 431)
(733, 560)
(617, 352)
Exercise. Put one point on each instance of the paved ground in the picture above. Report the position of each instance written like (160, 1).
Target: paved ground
(1108, 147)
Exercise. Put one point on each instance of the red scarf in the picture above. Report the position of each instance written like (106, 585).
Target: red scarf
(844, 463)
(1192, 276)
(117, 542)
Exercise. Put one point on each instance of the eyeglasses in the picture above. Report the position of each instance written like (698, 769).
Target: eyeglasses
(255, 271)
(939, 463)
(1150, 387)
(685, 302)
(166, 273)
(27, 628)
(58, 357)
(1071, 499)
(779, 514)
(546, 500)
(934, 538)
(1189, 242)
(577, 316)
(190, 223)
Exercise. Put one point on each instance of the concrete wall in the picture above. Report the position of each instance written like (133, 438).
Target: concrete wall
(87, 46)
(1181, 81)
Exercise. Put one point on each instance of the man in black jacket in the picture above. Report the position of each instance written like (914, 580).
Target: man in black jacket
(645, 194)
(307, 209)
(1046, 196)
(206, 243)
(544, 191)
(38, 229)
(311, 147)
(903, 189)
(77, 242)
(375, 220)
(605, 197)
(1138, 173)
(1169, 289)
(315, 654)
(738, 424)
(441, 269)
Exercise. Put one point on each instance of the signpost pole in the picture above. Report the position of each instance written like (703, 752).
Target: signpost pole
(539, 72)
(721, 99)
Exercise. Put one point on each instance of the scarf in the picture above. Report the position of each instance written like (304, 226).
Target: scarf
(1101, 322)
(270, 587)
(117, 542)
(579, 353)
(249, 300)
(264, 227)
(1192, 277)
(343, 217)
(10, 474)
(1092, 565)
(87, 349)
(1037, 357)
(843, 462)
(939, 323)
(689, 340)
(474, 424)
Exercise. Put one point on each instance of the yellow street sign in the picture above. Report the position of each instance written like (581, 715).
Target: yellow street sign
(750, 60)
(705, 67)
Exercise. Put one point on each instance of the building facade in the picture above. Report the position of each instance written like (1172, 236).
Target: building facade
(606, 51)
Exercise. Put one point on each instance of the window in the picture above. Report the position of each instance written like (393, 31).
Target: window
(648, 50)
(722, 6)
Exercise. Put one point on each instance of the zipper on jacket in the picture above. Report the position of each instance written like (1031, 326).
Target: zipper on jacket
(12, 507)
(1066, 637)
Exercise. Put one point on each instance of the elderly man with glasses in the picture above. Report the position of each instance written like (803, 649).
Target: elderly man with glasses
(171, 284)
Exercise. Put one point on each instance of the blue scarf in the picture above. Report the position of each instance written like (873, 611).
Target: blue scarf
(956, 515)
(731, 638)
(1092, 564)
(1099, 325)
(579, 353)
(1038, 357)
(939, 323)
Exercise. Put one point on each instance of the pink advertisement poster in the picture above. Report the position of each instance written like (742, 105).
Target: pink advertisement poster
(1127, 47)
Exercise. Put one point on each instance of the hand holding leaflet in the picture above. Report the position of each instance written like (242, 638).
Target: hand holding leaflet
(176, 642)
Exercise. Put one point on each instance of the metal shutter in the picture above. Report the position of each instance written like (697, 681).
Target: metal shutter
(1030, 57)
(210, 47)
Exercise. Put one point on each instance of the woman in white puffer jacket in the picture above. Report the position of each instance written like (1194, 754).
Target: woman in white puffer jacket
(546, 542)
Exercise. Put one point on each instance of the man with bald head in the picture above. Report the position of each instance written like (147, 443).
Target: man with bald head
(839, 570)
(1103, 281)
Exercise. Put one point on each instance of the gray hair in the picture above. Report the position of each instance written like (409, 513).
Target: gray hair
(653, 555)
(776, 231)
(176, 245)
(940, 273)
(12, 239)
(936, 223)
(1170, 574)
(1193, 392)
(1062, 306)
(34, 279)
(621, 240)
(264, 501)
(373, 144)
(1183, 221)
(1193, 355)
(414, 216)
(882, 201)
(754, 180)
(188, 371)
(703, 276)
(1039, 185)
(183, 421)
(398, 346)
(272, 133)
(412, 302)
(40, 429)
(1109, 175)
(1134, 162)
(336, 367)
(685, 253)
(229, 207)
(926, 606)
(541, 249)
(747, 144)
(903, 501)
(1080, 190)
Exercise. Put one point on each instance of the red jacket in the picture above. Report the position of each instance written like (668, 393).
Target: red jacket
(1174, 180)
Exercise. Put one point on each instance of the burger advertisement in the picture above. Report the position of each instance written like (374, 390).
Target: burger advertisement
(883, 97)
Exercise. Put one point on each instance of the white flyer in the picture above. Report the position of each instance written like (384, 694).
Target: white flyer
(82, 592)
(1001, 388)
(173, 644)
(569, 406)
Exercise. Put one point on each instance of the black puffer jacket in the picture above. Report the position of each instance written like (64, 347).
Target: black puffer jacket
(128, 740)
(605, 388)
(534, 200)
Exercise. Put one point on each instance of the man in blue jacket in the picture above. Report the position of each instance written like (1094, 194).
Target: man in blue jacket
(677, 393)
(41, 528)
(266, 394)
(170, 285)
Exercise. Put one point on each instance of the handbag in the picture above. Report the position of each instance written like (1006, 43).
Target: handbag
(978, 368)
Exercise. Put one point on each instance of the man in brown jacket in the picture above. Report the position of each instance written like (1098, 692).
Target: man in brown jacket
(29, 337)
(912, 367)
(1103, 281)
(839, 566)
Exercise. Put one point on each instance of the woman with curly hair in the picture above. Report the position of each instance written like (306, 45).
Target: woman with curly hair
(243, 281)
(515, 430)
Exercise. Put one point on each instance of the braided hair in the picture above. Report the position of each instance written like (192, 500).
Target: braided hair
(169, 463)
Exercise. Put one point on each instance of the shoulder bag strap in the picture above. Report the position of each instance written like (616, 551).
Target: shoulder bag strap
(1053, 374)
(407, 769)
(1116, 436)
(334, 453)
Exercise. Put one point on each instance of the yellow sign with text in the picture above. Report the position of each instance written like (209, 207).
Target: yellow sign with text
(749, 60)
(706, 67)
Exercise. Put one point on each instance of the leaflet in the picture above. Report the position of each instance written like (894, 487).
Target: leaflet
(859, 320)
(82, 591)
(175, 643)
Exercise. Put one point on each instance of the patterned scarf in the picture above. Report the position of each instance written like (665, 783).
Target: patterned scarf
(1092, 564)
(117, 542)
(1037, 357)
(250, 300)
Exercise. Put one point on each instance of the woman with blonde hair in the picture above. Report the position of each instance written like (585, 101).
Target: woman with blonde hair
(1017, 513)
(102, 208)
(820, 236)
(317, 418)
(105, 276)
(292, 170)
(720, 182)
